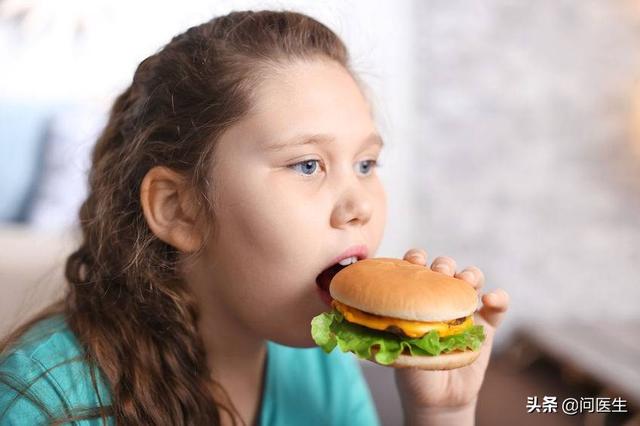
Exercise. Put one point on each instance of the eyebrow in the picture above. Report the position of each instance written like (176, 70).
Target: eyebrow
(319, 139)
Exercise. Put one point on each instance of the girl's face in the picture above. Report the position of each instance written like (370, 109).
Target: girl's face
(295, 185)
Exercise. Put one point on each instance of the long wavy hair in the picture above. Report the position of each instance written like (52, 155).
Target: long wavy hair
(126, 302)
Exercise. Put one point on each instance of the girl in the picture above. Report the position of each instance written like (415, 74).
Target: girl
(237, 166)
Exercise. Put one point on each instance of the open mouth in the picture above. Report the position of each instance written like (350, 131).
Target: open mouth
(323, 280)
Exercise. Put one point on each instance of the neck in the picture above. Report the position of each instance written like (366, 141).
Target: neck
(235, 356)
(238, 364)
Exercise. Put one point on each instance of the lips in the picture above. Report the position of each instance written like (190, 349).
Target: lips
(359, 251)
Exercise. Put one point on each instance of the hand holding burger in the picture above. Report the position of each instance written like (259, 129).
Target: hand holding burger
(447, 396)
(397, 313)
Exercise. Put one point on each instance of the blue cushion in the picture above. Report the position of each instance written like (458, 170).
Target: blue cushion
(22, 138)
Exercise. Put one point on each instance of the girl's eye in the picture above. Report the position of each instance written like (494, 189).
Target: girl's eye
(307, 167)
(366, 166)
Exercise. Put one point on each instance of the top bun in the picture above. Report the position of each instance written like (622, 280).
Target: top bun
(400, 289)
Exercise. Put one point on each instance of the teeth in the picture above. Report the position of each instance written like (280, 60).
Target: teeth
(348, 261)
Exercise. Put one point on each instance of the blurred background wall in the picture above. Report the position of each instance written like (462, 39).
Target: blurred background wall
(513, 133)
(525, 162)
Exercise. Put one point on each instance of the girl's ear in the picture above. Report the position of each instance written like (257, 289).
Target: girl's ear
(170, 209)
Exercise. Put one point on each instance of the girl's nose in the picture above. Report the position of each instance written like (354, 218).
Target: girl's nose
(353, 208)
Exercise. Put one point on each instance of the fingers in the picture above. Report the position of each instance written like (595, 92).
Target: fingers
(444, 264)
(417, 256)
(494, 307)
(473, 275)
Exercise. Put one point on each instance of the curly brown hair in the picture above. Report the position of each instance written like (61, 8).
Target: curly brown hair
(126, 302)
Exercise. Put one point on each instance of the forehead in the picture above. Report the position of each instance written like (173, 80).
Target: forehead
(310, 97)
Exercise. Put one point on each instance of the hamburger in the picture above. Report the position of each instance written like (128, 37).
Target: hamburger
(399, 314)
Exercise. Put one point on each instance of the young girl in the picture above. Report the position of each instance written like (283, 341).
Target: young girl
(238, 165)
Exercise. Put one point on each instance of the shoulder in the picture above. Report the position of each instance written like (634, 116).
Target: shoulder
(331, 385)
(44, 375)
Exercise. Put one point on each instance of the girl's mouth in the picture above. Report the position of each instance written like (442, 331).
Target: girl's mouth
(348, 257)
(324, 280)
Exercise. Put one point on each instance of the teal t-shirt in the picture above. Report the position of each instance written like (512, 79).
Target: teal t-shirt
(302, 386)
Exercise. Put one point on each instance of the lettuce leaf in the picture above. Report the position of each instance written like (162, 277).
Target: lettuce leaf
(330, 329)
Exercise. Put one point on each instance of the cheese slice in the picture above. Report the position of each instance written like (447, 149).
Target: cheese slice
(409, 328)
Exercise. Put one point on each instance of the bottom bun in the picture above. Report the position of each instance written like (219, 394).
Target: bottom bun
(445, 361)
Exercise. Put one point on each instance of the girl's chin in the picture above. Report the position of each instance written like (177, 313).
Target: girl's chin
(299, 334)
(302, 341)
